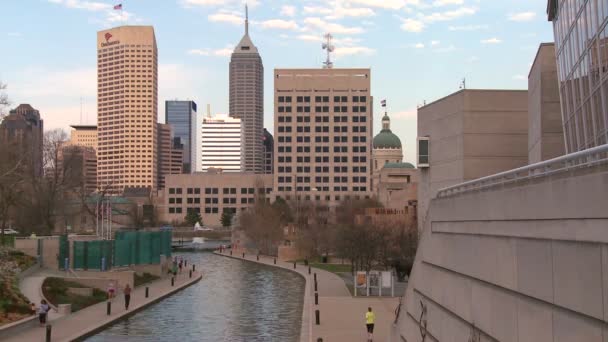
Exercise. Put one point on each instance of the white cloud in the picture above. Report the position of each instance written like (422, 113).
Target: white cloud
(419, 46)
(225, 3)
(344, 41)
(435, 42)
(468, 28)
(288, 11)
(279, 24)
(222, 17)
(439, 3)
(473, 59)
(519, 77)
(412, 25)
(112, 16)
(492, 40)
(14, 34)
(385, 4)
(445, 49)
(522, 16)
(334, 28)
(354, 50)
(448, 15)
(336, 10)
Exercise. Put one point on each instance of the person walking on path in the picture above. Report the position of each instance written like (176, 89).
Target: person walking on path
(127, 292)
(181, 264)
(111, 290)
(370, 319)
(43, 310)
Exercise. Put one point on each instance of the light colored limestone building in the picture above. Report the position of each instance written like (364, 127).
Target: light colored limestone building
(210, 194)
(127, 100)
(387, 148)
(247, 100)
(471, 134)
(323, 130)
(84, 135)
(222, 144)
(397, 185)
(545, 133)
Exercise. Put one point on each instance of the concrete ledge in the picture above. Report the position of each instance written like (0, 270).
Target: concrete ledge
(104, 323)
(306, 327)
(19, 326)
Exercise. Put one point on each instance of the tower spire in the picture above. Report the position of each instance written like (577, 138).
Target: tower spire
(246, 19)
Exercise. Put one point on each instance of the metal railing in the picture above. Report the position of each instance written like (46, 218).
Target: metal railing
(586, 158)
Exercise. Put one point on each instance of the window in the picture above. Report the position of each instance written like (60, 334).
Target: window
(423, 152)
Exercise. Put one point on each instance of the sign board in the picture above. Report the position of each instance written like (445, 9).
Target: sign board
(361, 279)
(387, 279)
(374, 279)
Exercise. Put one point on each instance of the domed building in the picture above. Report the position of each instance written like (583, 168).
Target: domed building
(386, 148)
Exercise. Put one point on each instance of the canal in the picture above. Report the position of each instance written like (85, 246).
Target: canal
(235, 301)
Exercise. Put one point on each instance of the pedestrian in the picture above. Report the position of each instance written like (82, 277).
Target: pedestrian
(32, 308)
(175, 269)
(127, 292)
(181, 264)
(111, 290)
(43, 310)
(370, 319)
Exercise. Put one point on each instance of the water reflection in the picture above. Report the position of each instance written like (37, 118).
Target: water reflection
(236, 301)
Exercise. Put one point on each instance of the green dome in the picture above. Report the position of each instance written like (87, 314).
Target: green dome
(398, 166)
(386, 139)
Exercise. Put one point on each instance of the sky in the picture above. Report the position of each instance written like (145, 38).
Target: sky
(418, 50)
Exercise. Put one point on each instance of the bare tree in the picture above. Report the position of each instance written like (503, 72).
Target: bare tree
(12, 171)
(4, 103)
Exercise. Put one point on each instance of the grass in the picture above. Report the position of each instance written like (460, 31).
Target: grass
(56, 291)
(144, 278)
(333, 268)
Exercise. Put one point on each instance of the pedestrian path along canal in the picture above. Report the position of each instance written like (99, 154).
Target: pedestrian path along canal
(235, 301)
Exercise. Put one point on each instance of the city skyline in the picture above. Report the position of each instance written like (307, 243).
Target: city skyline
(194, 54)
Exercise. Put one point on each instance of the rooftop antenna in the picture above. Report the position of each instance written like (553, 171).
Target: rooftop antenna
(246, 19)
(328, 64)
(463, 85)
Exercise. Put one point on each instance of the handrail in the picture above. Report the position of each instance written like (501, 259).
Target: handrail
(592, 156)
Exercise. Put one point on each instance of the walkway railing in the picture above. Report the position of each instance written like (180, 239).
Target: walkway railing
(586, 158)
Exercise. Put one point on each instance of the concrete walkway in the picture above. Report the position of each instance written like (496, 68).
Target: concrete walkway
(94, 318)
(31, 287)
(342, 317)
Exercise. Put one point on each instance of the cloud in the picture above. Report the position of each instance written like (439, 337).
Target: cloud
(445, 49)
(223, 17)
(412, 25)
(404, 114)
(385, 4)
(439, 3)
(336, 10)
(334, 28)
(288, 11)
(92, 6)
(14, 34)
(419, 46)
(519, 77)
(112, 16)
(468, 28)
(473, 59)
(448, 15)
(210, 3)
(279, 24)
(435, 42)
(354, 50)
(522, 16)
(492, 40)
(227, 51)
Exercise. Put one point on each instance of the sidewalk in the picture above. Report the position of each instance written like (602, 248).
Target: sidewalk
(94, 318)
(31, 286)
(342, 316)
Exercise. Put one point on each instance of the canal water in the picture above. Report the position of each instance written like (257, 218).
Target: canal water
(235, 301)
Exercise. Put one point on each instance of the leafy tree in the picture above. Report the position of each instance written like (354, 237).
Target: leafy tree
(226, 218)
(192, 217)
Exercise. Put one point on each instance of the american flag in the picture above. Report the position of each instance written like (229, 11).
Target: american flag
(383, 103)
(118, 7)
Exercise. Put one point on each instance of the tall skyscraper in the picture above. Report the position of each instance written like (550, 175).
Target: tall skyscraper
(127, 105)
(181, 115)
(323, 134)
(23, 130)
(221, 144)
(582, 65)
(247, 99)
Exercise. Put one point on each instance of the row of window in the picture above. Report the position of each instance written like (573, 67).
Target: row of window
(322, 169)
(225, 191)
(322, 149)
(213, 200)
(337, 139)
(322, 129)
(337, 179)
(318, 159)
(321, 109)
(320, 119)
(321, 189)
(306, 99)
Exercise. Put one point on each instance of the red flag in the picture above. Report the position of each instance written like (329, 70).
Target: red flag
(118, 7)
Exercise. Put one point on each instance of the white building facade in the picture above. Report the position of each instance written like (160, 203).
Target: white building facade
(221, 144)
